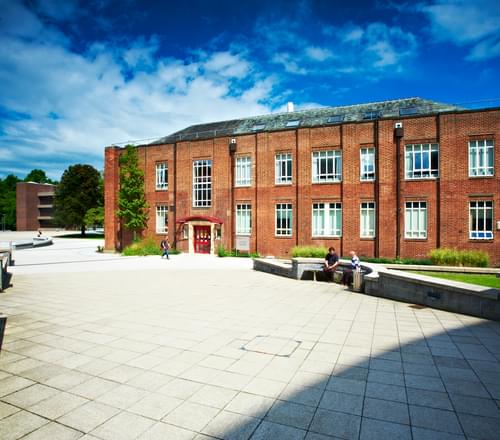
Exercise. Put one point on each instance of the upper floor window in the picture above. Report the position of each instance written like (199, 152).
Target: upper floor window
(327, 166)
(202, 183)
(243, 171)
(422, 161)
(284, 219)
(416, 220)
(367, 164)
(481, 158)
(283, 163)
(161, 219)
(327, 220)
(162, 175)
(367, 220)
(243, 219)
(481, 219)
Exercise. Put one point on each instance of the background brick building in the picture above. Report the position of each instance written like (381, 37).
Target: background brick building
(34, 206)
(394, 178)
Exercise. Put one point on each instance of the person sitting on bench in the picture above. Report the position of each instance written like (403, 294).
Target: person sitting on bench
(331, 263)
(347, 275)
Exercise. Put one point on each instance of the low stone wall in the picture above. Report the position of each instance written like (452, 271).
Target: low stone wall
(272, 266)
(452, 296)
(5, 276)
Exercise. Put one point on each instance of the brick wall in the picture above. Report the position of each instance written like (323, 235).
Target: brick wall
(447, 197)
(27, 205)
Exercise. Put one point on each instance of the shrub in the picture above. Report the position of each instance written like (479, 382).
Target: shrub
(456, 257)
(222, 252)
(309, 251)
(146, 246)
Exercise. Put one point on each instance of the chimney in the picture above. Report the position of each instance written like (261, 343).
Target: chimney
(289, 107)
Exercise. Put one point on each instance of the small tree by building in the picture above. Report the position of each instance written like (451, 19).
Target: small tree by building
(132, 206)
(77, 192)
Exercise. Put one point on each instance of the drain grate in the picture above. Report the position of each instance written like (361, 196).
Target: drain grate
(272, 345)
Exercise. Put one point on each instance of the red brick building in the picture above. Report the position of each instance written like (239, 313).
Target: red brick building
(394, 178)
(34, 206)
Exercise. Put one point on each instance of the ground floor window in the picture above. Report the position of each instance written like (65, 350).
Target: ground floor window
(283, 219)
(243, 219)
(327, 220)
(481, 219)
(161, 219)
(416, 220)
(367, 220)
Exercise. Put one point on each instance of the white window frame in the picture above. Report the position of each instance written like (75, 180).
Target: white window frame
(161, 219)
(202, 183)
(367, 219)
(412, 151)
(283, 168)
(162, 176)
(327, 219)
(416, 220)
(481, 158)
(243, 171)
(283, 212)
(327, 166)
(476, 230)
(243, 219)
(367, 161)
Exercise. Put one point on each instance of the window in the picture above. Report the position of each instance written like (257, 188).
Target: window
(408, 111)
(258, 127)
(416, 220)
(284, 219)
(327, 166)
(283, 163)
(481, 158)
(162, 175)
(243, 171)
(294, 123)
(327, 219)
(422, 161)
(371, 115)
(367, 164)
(202, 183)
(335, 119)
(161, 219)
(243, 219)
(481, 220)
(367, 220)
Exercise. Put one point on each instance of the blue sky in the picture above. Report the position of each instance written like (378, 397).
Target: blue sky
(76, 76)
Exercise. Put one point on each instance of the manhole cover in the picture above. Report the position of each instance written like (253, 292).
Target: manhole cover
(272, 345)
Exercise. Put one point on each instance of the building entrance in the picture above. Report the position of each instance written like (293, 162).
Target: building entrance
(202, 239)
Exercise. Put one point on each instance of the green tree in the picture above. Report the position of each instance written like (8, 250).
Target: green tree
(95, 216)
(8, 201)
(77, 192)
(38, 176)
(132, 206)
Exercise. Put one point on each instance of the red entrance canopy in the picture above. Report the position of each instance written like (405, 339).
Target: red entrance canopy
(200, 217)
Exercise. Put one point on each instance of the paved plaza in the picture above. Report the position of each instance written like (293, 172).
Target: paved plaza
(105, 347)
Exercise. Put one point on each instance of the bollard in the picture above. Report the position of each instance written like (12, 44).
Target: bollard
(3, 324)
(357, 282)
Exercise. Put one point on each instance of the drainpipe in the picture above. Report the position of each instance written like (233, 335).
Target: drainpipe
(398, 134)
(438, 186)
(232, 150)
(296, 187)
(377, 188)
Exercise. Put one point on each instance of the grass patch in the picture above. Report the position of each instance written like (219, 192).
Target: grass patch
(223, 252)
(487, 280)
(309, 252)
(146, 246)
(456, 257)
(382, 260)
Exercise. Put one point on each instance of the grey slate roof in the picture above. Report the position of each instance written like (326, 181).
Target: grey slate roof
(310, 118)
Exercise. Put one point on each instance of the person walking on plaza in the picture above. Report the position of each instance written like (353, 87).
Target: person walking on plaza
(331, 263)
(348, 274)
(165, 246)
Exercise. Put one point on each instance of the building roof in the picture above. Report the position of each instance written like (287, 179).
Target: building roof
(310, 118)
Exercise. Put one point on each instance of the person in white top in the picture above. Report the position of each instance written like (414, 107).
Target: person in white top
(347, 275)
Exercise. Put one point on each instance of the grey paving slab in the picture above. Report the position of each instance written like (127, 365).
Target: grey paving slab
(100, 348)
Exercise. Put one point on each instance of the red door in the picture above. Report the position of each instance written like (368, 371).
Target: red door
(202, 239)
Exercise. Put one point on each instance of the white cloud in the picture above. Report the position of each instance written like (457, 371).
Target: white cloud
(463, 22)
(318, 53)
(77, 103)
